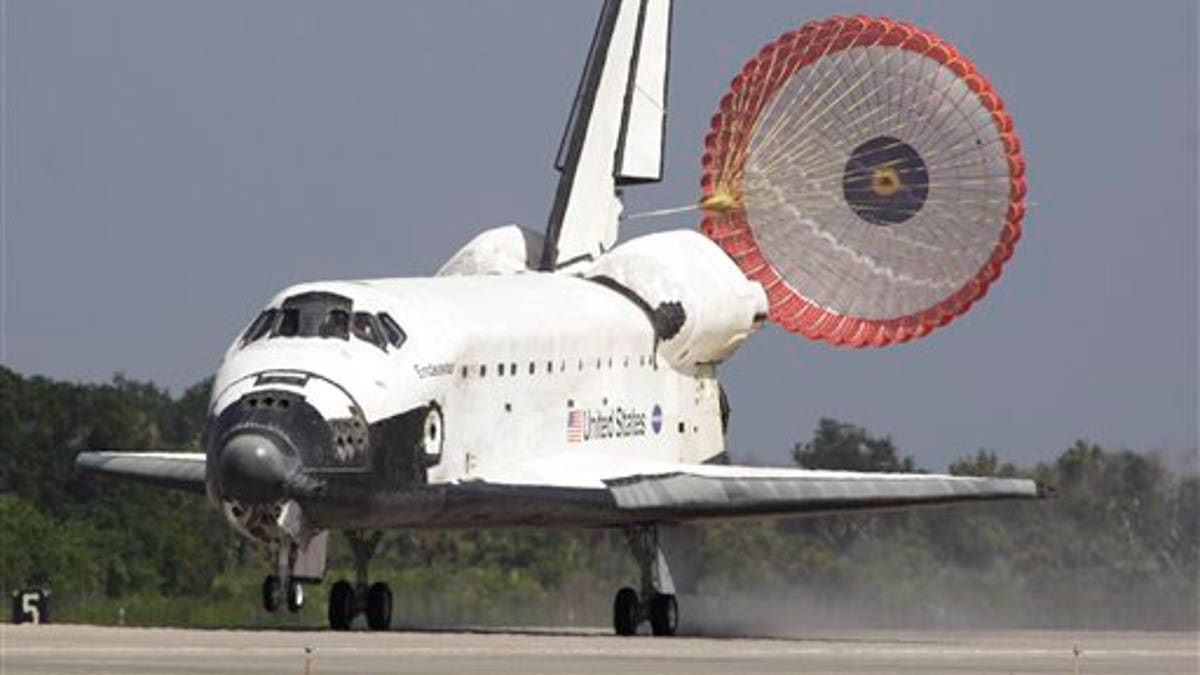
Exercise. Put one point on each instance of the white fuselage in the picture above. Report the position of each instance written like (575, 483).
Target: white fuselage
(501, 375)
(520, 366)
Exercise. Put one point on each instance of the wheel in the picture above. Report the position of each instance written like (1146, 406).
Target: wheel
(664, 614)
(379, 606)
(625, 611)
(295, 595)
(270, 593)
(341, 605)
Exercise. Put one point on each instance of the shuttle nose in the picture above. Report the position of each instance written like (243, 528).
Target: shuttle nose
(253, 468)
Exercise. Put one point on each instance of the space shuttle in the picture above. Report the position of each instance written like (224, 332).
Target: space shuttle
(556, 379)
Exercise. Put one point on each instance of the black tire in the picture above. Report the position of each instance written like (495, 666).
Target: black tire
(625, 612)
(341, 605)
(295, 595)
(664, 614)
(270, 593)
(379, 606)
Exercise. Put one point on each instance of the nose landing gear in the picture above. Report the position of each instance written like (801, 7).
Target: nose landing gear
(347, 601)
(295, 595)
(299, 560)
(270, 593)
(273, 591)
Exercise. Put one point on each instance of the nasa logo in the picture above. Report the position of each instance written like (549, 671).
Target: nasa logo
(656, 418)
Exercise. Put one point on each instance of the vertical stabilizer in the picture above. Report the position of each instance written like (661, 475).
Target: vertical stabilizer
(639, 156)
(615, 132)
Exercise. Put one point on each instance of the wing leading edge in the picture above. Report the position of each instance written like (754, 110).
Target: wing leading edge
(180, 470)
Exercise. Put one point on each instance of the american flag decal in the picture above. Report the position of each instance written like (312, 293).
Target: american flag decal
(575, 421)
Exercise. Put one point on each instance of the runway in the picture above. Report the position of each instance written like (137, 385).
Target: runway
(87, 649)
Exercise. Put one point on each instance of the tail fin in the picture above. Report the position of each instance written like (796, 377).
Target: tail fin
(615, 133)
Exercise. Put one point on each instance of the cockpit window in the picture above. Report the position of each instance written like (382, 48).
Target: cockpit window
(392, 330)
(289, 325)
(324, 315)
(336, 325)
(364, 327)
(314, 314)
(260, 326)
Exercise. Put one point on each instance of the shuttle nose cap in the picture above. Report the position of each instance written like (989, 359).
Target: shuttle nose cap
(253, 468)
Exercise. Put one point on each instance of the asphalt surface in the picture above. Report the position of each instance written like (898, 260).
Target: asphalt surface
(87, 649)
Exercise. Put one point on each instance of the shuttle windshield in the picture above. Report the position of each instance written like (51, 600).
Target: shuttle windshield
(392, 329)
(365, 327)
(324, 315)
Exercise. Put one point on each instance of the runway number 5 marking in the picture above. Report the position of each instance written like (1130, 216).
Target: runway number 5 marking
(30, 606)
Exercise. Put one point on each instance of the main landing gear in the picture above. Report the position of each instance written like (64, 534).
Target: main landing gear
(347, 601)
(656, 600)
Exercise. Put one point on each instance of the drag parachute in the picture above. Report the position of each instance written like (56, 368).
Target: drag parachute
(867, 177)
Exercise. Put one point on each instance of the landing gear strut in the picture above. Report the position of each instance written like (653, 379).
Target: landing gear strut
(656, 600)
(347, 601)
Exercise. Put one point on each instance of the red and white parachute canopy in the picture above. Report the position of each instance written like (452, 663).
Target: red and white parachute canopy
(867, 176)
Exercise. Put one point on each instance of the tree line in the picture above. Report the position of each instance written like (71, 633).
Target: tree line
(1118, 547)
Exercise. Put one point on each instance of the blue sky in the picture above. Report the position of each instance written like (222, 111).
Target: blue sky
(169, 165)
